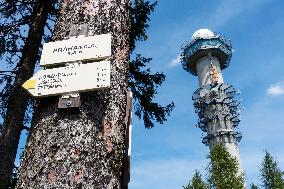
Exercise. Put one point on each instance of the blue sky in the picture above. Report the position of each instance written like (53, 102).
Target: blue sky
(166, 156)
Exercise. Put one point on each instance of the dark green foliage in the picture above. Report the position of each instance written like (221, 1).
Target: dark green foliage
(140, 12)
(223, 170)
(9, 185)
(271, 175)
(21, 33)
(253, 186)
(142, 83)
(196, 182)
(16, 18)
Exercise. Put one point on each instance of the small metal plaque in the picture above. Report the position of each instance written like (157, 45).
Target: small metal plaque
(71, 102)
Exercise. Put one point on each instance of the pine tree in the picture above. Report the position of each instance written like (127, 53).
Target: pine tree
(271, 175)
(15, 47)
(223, 170)
(196, 182)
(86, 150)
(141, 81)
(253, 186)
(83, 149)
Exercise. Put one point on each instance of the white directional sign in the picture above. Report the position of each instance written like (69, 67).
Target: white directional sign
(72, 78)
(76, 49)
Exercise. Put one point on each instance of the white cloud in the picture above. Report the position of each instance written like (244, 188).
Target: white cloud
(175, 62)
(276, 89)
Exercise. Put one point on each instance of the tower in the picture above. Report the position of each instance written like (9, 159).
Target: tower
(215, 103)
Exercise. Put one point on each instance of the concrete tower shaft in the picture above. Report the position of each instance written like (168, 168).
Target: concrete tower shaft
(208, 70)
(218, 114)
(215, 103)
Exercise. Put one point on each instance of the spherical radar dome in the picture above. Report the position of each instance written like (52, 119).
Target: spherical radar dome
(202, 33)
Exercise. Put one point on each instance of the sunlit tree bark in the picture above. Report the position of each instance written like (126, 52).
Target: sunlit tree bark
(84, 149)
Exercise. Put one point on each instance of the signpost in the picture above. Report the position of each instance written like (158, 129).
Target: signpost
(76, 76)
(72, 78)
(79, 48)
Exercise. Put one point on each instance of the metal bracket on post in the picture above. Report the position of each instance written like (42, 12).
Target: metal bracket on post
(77, 30)
(69, 101)
(72, 100)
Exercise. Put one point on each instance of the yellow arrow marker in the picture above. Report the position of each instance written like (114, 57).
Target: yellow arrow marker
(29, 84)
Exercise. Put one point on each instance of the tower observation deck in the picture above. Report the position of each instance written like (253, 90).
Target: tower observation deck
(215, 102)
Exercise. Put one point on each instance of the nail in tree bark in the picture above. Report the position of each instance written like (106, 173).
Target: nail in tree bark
(85, 149)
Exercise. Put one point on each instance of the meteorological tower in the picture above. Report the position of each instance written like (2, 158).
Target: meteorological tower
(215, 103)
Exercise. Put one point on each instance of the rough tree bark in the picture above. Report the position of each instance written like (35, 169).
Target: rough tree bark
(17, 102)
(83, 149)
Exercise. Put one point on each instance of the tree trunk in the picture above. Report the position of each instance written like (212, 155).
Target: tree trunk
(17, 102)
(83, 149)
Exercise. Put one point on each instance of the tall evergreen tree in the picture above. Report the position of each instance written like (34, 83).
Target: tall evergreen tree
(271, 175)
(83, 149)
(18, 16)
(223, 170)
(13, 43)
(253, 186)
(89, 146)
(196, 182)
